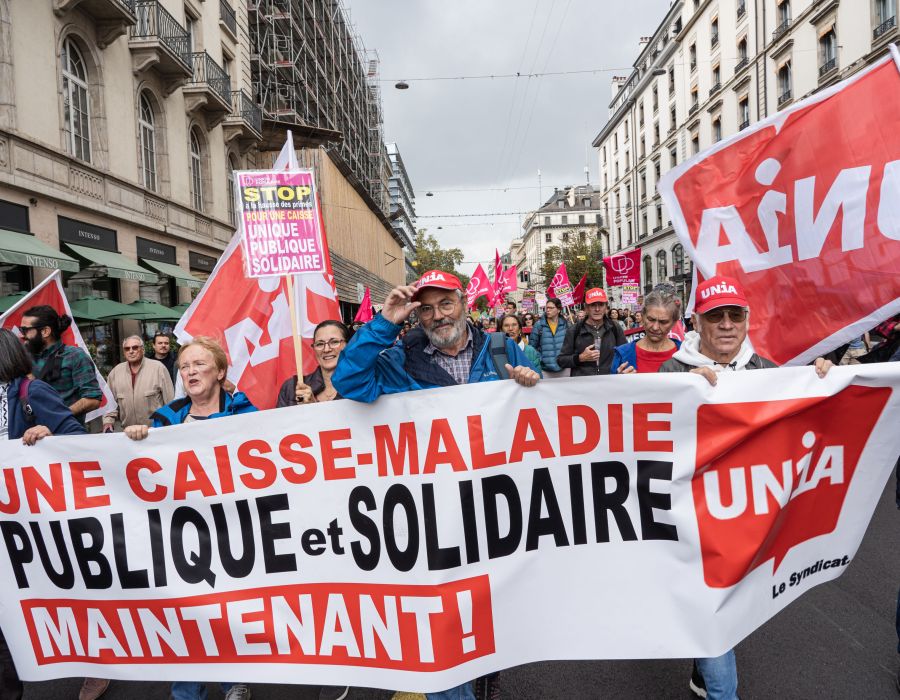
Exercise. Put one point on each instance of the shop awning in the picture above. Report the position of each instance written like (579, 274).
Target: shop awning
(143, 310)
(182, 277)
(117, 265)
(97, 308)
(22, 249)
(6, 303)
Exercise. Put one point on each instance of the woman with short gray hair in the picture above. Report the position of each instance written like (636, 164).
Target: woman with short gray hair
(660, 312)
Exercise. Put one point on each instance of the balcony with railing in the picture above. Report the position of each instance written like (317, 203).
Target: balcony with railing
(245, 120)
(784, 97)
(209, 89)
(781, 30)
(228, 18)
(694, 108)
(827, 67)
(744, 125)
(884, 27)
(714, 40)
(715, 87)
(741, 10)
(741, 64)
(159, 42)
(110, 17)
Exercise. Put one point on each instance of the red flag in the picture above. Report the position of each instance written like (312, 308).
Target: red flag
(252, 321)
(478, 286)
(498, 268)
(51, 293)
(366, 313)
(803, 209)
(507, 283)
(624, 268)
(578, 294)
(562, 288)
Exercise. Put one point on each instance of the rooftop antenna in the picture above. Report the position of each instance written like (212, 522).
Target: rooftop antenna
(587, 174)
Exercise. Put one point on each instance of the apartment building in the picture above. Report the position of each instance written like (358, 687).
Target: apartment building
(710, 69)
(403, 207)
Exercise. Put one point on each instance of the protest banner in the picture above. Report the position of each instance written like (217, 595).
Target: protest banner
(624, 268)
(529, 300)
(478, 286)
(50, 292)
(561, 287)
(803, 208)
(630, 293)
(404, 544)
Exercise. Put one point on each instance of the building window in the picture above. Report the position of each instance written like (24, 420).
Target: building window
(641, 114)
(643, 184)
(744, 112)
(627, 131)
(673, 156)
(546, 221)
(716, 78)
(586, 202)
(232, 166)
(678, 260)
(714, 33)
(147, 129)
(581, 218)
(644, 230)
(658, 217)
(655, 99)
(548, 238)
(672, 120)
(565, 220)
(784, 83)
(784, 15)
(630, 235)
(692, 51)
(695, 144)
(582, 236)
(827, 51)
(599, 220)
(196, 171)
(604, 155)
(656, 170)
(695, 97)
(656, 134)
(886, 16)
(661, 272)
(648, 274)
(76, 103)
(717, 130)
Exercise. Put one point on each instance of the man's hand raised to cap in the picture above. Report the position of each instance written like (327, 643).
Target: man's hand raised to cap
(399, 305)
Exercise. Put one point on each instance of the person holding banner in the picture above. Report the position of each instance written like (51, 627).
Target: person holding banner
(719, 344)
(590, 344)
(660, 311)
(66, 368)
(547, 338)
(202, 364)
(329, 339)
(29, 410)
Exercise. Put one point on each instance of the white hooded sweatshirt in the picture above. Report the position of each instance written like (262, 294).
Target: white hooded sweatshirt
(689, 354)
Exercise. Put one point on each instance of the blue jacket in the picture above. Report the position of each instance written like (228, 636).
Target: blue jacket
(372, 364)
(628, 353)
(176, 411)
(546, 343)
(48, 407)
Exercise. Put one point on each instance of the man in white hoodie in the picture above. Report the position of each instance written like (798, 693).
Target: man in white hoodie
(719, 344)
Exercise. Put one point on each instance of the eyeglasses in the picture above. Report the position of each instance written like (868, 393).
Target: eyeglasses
(332, 344)
(24, 329)
(735, 314)
(446, 307)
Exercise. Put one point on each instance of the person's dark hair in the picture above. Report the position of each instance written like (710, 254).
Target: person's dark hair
(160, 334)
(345, 332)
(506, 316)
(14, 359)
(556, 302)
(47, 316)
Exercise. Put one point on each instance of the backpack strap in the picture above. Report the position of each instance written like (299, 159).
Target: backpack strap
(23, 400)
(498, 353)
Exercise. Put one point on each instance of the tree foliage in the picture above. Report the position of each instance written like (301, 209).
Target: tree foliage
(431, 256)
(582, 257)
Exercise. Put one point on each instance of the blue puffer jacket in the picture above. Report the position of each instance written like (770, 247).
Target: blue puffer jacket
(175, 412)
(48, 409)
(372, 364)
(546, 343)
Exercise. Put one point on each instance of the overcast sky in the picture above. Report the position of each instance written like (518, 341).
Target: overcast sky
(491, 136)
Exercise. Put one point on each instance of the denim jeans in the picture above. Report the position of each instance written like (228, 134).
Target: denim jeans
(189, 690)
(465, 691)
(720, 676)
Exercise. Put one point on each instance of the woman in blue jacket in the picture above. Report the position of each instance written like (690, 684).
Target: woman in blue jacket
(29, 410)
(547, 338)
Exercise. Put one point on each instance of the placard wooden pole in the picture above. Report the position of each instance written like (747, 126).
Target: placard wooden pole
(295, 331)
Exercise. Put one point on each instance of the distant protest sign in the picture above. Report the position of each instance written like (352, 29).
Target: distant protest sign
(279, 219)
(438, 535)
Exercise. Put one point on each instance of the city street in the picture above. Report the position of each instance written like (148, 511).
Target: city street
(838, 641)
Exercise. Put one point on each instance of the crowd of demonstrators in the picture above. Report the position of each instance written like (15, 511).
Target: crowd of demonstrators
(547, 338)
(659, 313)
(140, 386)
(512, 326)
(591, 342)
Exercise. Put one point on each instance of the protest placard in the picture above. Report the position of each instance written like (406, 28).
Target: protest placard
(437, 535)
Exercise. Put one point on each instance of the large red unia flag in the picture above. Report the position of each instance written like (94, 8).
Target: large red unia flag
(251, 317)
(803, 208)
(479, 285)
(50, 292)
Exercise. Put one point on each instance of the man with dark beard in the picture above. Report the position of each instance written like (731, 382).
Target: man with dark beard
(67, 369)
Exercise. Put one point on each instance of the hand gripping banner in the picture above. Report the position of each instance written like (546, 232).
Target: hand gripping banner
(438, 535)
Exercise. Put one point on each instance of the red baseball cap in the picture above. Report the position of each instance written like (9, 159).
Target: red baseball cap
(719, 291)
(594, 295)
(438, 279)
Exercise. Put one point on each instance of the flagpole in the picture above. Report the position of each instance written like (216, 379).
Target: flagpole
(295, 331)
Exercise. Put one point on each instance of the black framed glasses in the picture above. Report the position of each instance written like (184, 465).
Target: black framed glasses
(332, 344)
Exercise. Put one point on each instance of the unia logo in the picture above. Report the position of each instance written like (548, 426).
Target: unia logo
(721, 288)
(432, 277)
(771, 475)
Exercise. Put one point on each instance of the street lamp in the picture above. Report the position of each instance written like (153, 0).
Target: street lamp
(402, 85)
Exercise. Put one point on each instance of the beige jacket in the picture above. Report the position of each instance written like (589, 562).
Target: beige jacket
(152, 389)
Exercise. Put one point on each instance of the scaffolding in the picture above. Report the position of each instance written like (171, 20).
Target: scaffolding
(310, 69)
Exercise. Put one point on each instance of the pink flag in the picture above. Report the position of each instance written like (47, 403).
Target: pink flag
(562, 288)
(51, 293)
(507, 283)
(251, 317)
(366, 313)
(578, 294)
(478, 286)
(498, 268)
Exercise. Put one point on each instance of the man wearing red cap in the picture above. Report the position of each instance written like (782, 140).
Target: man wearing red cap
(719, 344)
(590, 344)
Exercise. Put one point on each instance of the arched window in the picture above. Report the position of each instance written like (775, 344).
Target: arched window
(147, 130)
(678, 259)
(661, 272)
(232, 166)
(196, 171)
(76, 102)
(648, 273)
